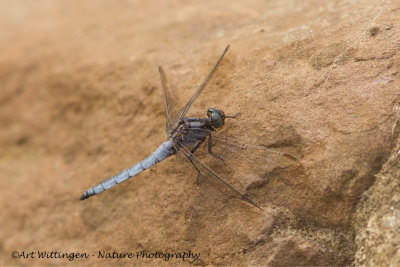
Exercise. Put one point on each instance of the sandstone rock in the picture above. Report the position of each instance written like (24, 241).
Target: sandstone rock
(80, 100)
(377, 218)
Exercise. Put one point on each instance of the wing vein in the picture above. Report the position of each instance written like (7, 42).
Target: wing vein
(185, 109)
(210, 172)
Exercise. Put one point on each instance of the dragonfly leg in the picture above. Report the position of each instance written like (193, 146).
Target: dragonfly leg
(191, 161)
(212, 154)
(233, 116)
(197, 145)
(197, 169)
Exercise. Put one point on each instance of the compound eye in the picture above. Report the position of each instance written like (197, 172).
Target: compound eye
(210, 111)
(216, 120)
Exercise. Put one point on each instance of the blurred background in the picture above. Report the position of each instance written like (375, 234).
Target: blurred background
(81, 100)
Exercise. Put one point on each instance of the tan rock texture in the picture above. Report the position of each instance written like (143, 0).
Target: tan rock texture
(377, 220)
(81, 100)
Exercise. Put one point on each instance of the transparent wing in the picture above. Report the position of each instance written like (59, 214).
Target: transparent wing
(186, 108)
(206, 171)
(167, 101)
(260, 154)
(230, 148)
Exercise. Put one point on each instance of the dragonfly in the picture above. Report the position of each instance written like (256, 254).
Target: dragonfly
(184, 137)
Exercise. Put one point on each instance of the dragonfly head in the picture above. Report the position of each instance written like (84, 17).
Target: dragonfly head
(217, 117)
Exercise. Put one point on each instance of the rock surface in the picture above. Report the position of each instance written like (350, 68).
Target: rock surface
(377, 220)
(80, 100)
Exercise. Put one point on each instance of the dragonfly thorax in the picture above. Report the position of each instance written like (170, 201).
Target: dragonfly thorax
(185, 134)
(217, 117)
(191, 130)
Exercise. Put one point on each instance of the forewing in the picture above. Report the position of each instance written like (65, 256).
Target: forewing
(186, 108)
(168, 102)
(237, 153)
